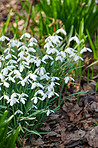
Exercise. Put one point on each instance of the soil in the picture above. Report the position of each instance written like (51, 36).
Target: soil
(76, 123)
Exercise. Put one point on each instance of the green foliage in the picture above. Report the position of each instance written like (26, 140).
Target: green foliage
(71, 13)
(94, 45)
(7, 140)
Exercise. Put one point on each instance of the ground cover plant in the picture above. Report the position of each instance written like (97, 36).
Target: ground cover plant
(55, 13)
(30, 77)
(7, 140)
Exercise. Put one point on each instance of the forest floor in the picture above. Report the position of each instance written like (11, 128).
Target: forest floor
(76, 125)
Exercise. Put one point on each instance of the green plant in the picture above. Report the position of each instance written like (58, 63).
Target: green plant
(94, 45)
(7, 140)
(30, 77)
(5, 26)
(70, 13)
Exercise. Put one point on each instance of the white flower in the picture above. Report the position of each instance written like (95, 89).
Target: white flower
(76, 58)
(35, 99)
(70, 50)
(6, 84)
(61, 31)
(31, 49)
(34, 85)
(18, 112)
(13, 99)
(85, 49)
(14, 43)
(67, 79)
(27, 35)
(6, 97)
(33, 40)
(32, 43)
(3, 38)
(53, 50)
(33, 76)
(22, 97)
(48, 45)
(75, 38)
(49, 111)
(46, 57)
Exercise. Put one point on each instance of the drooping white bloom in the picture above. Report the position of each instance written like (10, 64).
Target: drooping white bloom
(6, 97)
(61, 31)
(33, 76)
(46, 57)
(70, 50)
(49, 111)
(34, 85)
(75, 38)
(31, 49)
(18, 112)
(6, 84)
(22, 97)
(85, 49)
(3, 38)
(40, 71)
(67, 79)
(13, 99)
(53, 50)
(26, 35)
(33, 40)
(15, 43)
(76, 58)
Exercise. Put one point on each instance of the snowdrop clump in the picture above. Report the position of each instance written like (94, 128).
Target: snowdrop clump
(27, 76)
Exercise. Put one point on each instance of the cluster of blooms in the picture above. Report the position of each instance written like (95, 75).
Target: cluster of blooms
(22, 70)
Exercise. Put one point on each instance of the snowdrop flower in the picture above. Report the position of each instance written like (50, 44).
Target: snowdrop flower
(31, 49)
(45, 76)
(32, 44)
(76, 58)
(40, 71)
(33, 40)
(67, 79)
(75, 38)
(38, 62)
(33, 76)
(53, 50)
(1, 77)
(13, 99)
(12, 62)
(6, 97)
(35, 100)
(61, 56)
(85, 49)
(46, 57)
(3, 38)
(18, 112)
(6, 84)
(23, 81)
(55, 78)
(70, 50)
(61, 31)
(17, 74)
(48, 45)
(26, 35)
(8, 56)
(22, 97)
(15, 43)
(54, 39)
(34, 85)
(49, 111)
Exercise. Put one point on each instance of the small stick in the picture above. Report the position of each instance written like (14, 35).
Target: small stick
(30, 11)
